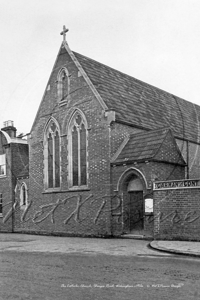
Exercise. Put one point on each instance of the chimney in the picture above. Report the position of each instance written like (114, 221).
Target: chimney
(9, 128)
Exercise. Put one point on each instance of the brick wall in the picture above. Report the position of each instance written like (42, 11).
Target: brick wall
(118, 133)
(150, 171)
(191, 154)
(177, 214)
(19, 158)
(20, 212)
(81, 212)
(169, 151)
(16, 160)
(194, 160)
(88, 211)
(6, 188)
(6, 219)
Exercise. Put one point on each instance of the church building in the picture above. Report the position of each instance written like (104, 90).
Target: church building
(100, 141)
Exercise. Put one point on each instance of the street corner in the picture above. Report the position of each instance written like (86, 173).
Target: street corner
(177, 247)
(166, 246)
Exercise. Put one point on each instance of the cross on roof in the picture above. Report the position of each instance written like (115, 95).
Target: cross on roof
(64, 33)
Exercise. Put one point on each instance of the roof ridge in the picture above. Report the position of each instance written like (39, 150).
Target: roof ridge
(176, 145)
(160, 146)
(140, 104)
(150, 131)
(139, 80)
(119, 150)
(85, 76)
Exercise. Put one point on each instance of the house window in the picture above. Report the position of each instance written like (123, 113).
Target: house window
(1, 204)
(23, 195)
(52, 155)
(63, 84)
(2, 165)
(77, 151)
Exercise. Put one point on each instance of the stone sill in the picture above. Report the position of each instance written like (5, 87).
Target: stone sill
(66, 191)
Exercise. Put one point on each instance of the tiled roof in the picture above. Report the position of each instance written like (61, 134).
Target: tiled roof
(141, 104)
(143, 146)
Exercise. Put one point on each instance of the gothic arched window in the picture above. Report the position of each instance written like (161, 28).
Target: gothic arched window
(52, 155)
(63, 84)
(23, 195)
(77, 139)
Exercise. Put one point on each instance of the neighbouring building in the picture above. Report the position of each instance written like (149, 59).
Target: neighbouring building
(13, 160)
(100, 141)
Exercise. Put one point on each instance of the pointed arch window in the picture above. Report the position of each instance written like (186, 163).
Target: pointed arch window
(63, 84)
(52, 156)
(77, 151)
(23, 195)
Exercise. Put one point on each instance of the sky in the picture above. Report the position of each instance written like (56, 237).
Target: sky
(156, 41)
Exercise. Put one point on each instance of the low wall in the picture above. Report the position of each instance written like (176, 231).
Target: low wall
(177, 210)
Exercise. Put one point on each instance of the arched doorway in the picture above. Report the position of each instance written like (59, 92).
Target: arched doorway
(136, 205)
(132, 186)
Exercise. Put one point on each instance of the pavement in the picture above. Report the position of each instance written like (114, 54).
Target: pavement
(177, 247)
(112, 246)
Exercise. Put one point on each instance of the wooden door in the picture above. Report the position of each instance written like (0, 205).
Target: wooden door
(136, 210)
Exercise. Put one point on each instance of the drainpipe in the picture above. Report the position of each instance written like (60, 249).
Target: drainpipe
(12, 185)
(187, 167)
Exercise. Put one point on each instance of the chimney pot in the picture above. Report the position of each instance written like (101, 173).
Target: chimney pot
(9, 128)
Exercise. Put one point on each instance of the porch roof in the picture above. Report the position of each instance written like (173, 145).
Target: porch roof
(145, 146)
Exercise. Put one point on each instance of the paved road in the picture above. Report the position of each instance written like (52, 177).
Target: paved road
(37, 243)
(39, 267)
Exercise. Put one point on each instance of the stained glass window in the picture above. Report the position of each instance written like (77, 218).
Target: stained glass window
(78, 153)
(83, 154)
(52, 153)
(50, 160)
(57, 159)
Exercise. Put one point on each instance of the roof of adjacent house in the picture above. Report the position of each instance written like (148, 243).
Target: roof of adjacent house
(140, 104)
(146, 146)
(14, 140)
